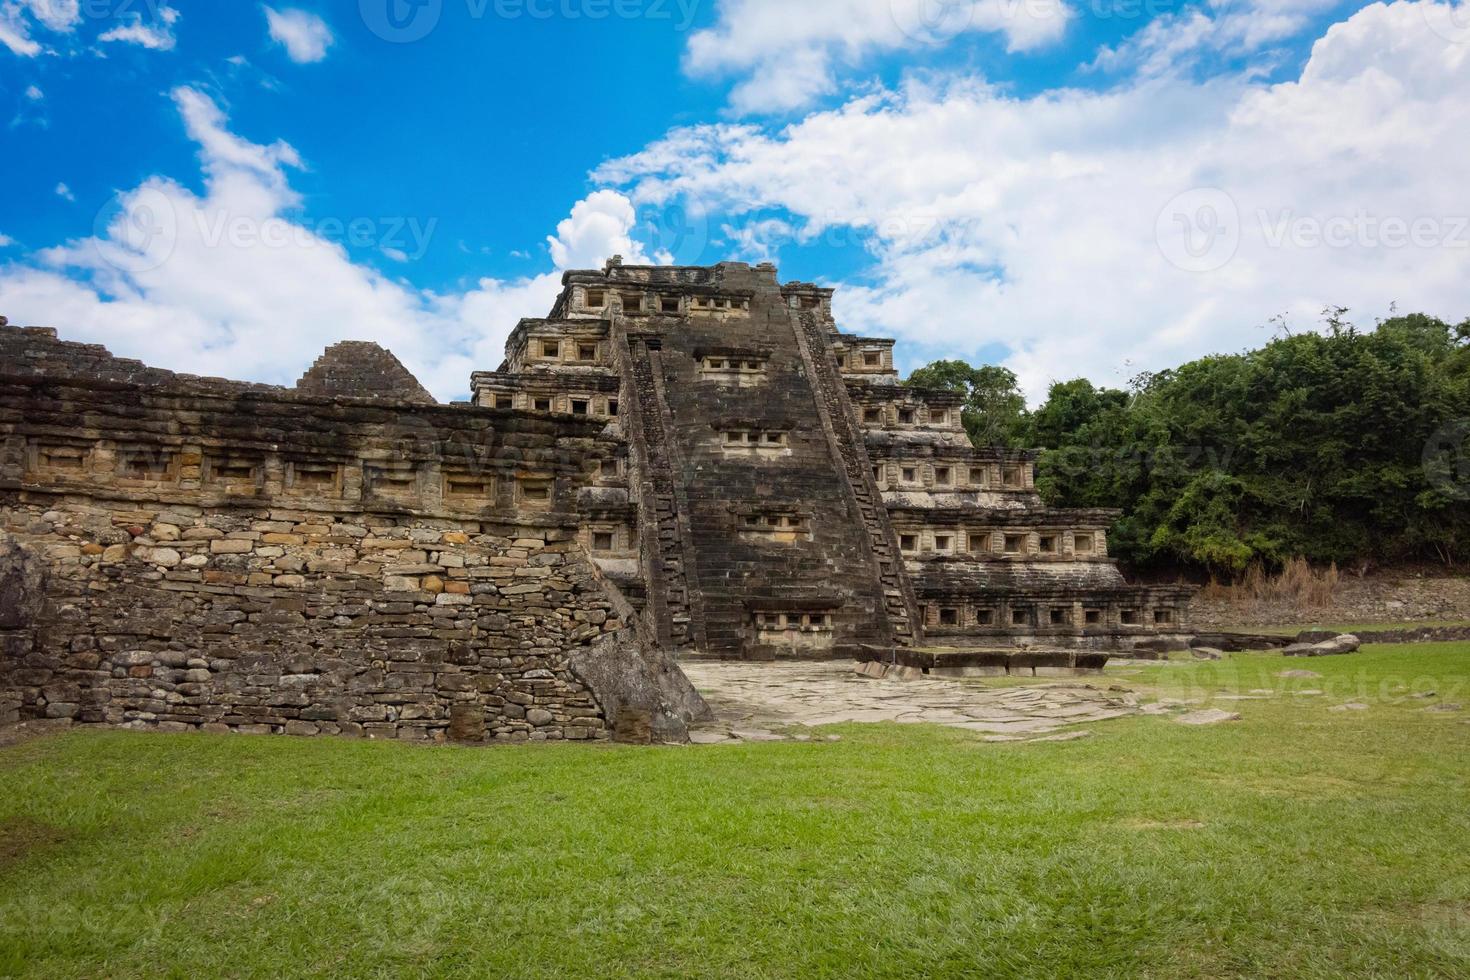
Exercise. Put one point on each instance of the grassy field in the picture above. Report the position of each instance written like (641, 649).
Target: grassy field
(1299, 841)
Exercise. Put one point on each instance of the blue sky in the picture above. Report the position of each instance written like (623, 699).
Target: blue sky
(992, 179)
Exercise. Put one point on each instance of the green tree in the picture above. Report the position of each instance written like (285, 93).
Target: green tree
(1345, 445)
(994, 412)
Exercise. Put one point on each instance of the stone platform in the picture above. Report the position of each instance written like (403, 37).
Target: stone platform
(948, 662)
(749, 700)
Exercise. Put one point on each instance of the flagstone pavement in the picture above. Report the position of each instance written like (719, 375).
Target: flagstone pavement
(767, 701)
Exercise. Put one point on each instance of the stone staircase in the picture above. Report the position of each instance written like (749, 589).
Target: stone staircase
(660, 497)
(846, 435)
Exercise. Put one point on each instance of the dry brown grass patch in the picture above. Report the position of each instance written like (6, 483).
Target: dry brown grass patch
(20, 836)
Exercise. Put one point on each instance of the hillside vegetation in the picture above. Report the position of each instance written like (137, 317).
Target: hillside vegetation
(1344, 445)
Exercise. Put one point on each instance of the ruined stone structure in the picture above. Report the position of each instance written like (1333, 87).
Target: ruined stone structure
(676, 462)
(779, 492)
(346, 557)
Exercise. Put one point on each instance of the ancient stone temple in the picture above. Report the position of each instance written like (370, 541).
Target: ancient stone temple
(675, 462)
(778, 492)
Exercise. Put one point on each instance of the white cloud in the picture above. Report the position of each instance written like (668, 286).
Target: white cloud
(65, 193)
(599, 227)
(155, 35)
(788, 54)
(224, 283)
(305, 36)
(6, 241)
(1176, 42)
(15, 35)
(1046, 224)
(19, 17)
(55, 15)
(149, 24)
(34, 94)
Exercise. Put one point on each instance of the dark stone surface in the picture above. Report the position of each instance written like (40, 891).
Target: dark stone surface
(357, 369)
(627, 675)
(22, 585)
(1239, 642)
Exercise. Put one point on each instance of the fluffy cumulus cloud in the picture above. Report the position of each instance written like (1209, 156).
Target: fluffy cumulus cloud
(599, 226)
(305, 36)
(229, 283)
(1102, 233)
(787, 54)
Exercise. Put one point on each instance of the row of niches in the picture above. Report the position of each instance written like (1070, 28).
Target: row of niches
(733, 367)
(565, 403)
(914, 476)
(754, 440)
(577, 351)
(910, 416)
(865, 360)
(1031, 614)
(819, 621)
(782, 528)
(636, 302)
(429, 485)
(1015, 543)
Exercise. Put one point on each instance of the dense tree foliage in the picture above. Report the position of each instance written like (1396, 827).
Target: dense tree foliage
(994, 412)
(1343, 445)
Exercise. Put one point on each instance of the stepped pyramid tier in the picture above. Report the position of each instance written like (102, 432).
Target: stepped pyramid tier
(779, 492)
(359, 369)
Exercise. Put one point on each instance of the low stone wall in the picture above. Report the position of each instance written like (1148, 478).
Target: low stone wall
(1373, 599)
(281, 621)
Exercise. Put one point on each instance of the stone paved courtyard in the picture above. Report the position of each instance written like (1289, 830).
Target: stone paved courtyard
(758, 701)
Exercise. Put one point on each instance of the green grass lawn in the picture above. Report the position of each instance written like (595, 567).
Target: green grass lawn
(1297, 842)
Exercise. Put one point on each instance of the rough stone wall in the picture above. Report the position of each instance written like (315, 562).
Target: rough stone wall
(229, 556)
(285, 621)
(22, 598)
(1372, 599)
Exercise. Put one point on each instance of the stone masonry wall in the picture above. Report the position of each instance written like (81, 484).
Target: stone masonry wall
(1384, 598)
(278, 621)
(227, 556)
